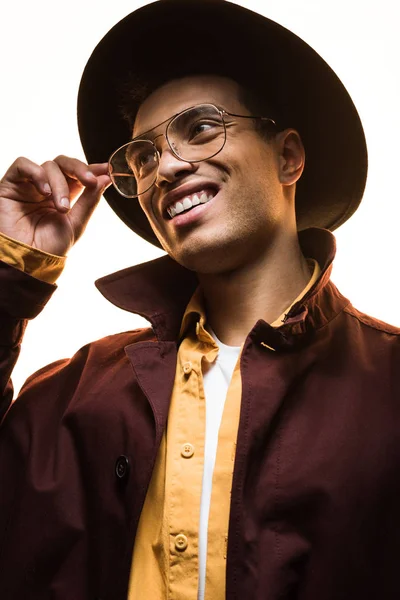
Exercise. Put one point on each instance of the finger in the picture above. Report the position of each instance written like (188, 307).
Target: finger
(99, 168)
(77, 170)
(80, 174)
(59, 186)
(24, 170)
(85, 205)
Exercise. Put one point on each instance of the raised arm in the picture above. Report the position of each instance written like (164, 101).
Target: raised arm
(46, 207)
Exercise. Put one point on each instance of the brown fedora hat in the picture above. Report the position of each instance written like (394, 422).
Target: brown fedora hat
(173, 38)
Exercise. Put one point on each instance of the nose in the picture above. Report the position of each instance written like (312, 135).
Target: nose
(170, 167)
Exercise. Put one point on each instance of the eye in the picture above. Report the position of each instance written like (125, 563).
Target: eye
(144, 158)
(141, 158)
(203, 128)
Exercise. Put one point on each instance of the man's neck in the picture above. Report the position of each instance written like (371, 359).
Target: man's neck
(236, 300)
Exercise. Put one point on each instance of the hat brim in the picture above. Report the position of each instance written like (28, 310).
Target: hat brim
(170, 39)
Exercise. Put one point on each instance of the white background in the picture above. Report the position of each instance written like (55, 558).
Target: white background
(43, 49)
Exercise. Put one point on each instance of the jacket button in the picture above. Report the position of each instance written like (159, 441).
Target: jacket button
(181, 542)
(122, 467)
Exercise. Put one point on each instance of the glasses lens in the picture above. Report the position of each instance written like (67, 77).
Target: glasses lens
(198, 133)
(133, 168)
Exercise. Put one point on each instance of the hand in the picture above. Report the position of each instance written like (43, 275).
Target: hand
(49, 206)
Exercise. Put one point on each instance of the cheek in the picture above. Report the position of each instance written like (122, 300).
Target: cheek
(249, 159)
(146, 204)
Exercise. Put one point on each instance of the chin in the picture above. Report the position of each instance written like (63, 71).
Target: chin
(211, 257)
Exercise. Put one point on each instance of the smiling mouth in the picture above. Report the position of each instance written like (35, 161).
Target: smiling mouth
(189, 202)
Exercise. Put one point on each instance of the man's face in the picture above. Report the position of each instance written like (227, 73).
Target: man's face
(244, 195)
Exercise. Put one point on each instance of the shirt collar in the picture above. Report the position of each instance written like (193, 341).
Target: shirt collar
(195, 313)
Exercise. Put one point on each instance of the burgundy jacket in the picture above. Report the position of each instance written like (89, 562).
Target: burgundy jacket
(315, 507)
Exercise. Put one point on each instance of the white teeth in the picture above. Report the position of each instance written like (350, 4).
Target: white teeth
(179, 208)
(188, 203)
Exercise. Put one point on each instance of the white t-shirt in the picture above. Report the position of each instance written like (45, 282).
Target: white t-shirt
(216, 379)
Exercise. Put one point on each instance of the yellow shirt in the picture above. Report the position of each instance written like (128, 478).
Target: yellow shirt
(39, 264)
(165, 558)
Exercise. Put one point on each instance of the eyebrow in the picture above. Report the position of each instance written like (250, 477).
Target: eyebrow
(140, 136)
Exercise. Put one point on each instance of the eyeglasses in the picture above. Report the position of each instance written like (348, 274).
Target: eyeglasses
(193, 135)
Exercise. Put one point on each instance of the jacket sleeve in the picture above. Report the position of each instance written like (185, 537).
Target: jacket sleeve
(22, 297)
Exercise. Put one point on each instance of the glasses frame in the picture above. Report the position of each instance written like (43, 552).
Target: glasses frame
(222, 112)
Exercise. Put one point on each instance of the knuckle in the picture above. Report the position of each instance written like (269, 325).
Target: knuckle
(47, 163)
(20, 159)
(22, 164)
(60, 158)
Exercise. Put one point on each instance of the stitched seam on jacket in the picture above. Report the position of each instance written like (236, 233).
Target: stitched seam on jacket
(375, 326)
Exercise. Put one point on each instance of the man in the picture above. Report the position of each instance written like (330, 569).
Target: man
(247, 445)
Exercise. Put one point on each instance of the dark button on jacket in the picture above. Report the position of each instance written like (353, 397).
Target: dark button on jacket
(315, 499)
(122, 467)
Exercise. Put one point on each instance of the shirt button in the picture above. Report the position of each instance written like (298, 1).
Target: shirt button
(122, 467)
(187, 368)
(181, 542)
(187, 450)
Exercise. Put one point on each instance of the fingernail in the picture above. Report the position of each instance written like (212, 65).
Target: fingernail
(65, 202)
(90, 175)
(47, 188)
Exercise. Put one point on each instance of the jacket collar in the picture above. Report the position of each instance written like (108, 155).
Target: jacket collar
(160, 290)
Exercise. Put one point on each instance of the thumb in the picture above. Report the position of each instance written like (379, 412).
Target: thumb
(83, 208)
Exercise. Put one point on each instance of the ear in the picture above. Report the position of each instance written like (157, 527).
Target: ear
(291, 156)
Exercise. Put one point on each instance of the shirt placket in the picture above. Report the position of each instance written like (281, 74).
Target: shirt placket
(185, 463)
